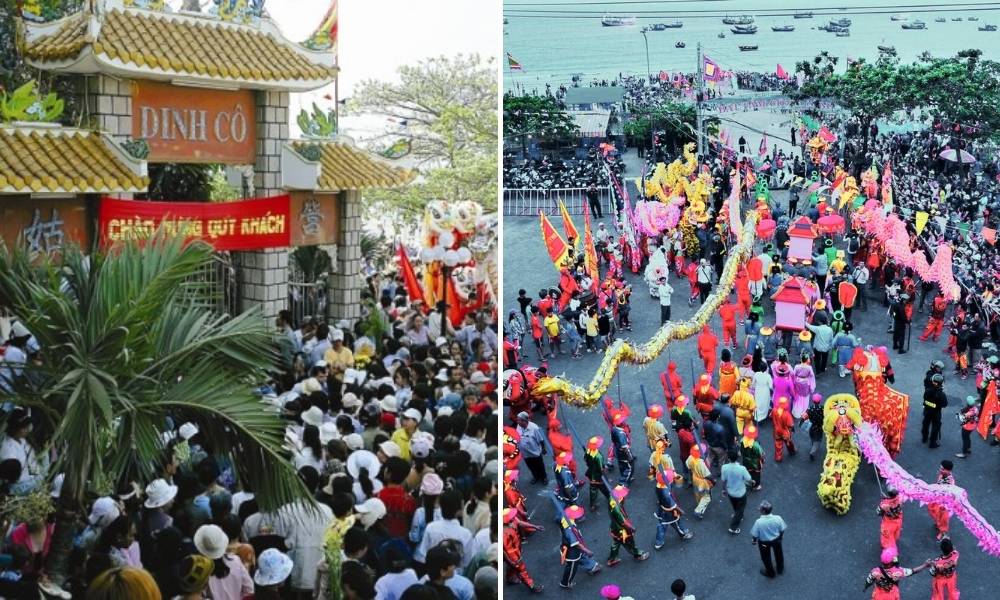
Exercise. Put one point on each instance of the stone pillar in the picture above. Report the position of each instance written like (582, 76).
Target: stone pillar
(109, 102)
(345, 284)
(264, 273)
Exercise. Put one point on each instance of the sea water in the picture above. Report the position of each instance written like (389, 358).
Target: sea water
(552, 50)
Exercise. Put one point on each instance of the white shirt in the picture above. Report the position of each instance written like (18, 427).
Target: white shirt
(439, 531)
(704, 274)
(21, 451)
(475, 448)
(664, 290)
(392, 585)
(11, 364)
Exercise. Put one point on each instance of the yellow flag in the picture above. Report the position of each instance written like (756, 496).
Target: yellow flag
(921, 220)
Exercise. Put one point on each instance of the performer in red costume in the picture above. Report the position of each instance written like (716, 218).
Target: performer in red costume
(886, 577)
(512, 557)
(935, 324)
(938, 512)
(944, 575)
(672, 385)
(728, 313)
(704, 395)
(784, 427)
(891, 511)
(708, 343)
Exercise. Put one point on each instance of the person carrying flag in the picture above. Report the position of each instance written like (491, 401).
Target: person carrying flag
(667, 512)
(595, 470)
(512, 556)
(623, 449)
(622, 529)
(574, 555)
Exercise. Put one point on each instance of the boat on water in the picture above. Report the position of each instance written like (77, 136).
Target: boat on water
(956, 18)
(802, 15)
(783, 28)
(887, 49)
(898, 18)
(656, 27)
(844, 33)
(973, 18)
(608, 21)
(940, 20)
(844, 23)
(680, 45)
(988, 28)
(722, 34)
(740, 20)
(915, 25)
(744, 29)
(673, 25)
(832, 28)
(748, 48)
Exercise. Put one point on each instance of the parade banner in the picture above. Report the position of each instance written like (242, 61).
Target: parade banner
(568, 226)
(413, 289)
(921, 221)
(554, 244)
(243, 225)
(589, 252)
(735, 227)
(771, 104)
(990, 235)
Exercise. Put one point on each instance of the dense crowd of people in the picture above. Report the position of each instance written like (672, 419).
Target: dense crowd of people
(551, 172)
(391, 431)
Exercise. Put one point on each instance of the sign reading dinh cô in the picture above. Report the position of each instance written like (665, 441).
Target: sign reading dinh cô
(194, 125)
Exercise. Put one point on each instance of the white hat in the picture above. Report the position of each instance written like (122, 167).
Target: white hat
(364, 459)
(354, 441)
(445, 411)
(321, 364)
(370, 511)
(328, 431)
(19, 330)
(343, 324)
(273, 567)
(389, 448)
(337, 335)
(313, 416)
(350, 400)
(449, 362)
(188, 430)
(412, 413)
(355, 376)
(478, 377)
(388, 404)
(440, 341)
(211, 541)
(442, 375)
(103, 512)
(159, 493)
(311, 385)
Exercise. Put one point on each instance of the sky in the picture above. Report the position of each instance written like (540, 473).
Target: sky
(378, 36)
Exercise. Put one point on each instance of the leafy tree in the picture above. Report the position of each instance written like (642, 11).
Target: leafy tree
(177, 181)
(538, 116)
(446, 108)
(122, 349)
(676, 119)
(312, 261)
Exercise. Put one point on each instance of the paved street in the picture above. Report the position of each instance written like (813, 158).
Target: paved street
(827, 556)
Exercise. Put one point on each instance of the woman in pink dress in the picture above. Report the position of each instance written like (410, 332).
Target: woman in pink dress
(784, 384)
(805, 385)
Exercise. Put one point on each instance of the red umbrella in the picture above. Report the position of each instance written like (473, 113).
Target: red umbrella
(832, 223)
(765, 229)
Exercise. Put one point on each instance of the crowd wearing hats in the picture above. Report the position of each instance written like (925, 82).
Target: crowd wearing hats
(391, 429)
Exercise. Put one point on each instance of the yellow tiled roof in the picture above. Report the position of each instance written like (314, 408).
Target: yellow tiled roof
(65, 43)
(200, 47)
(59, 160)
(344, 167)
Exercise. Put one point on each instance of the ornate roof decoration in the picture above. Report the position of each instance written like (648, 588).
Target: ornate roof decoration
(26, 104)
(325, 36)
(339, 166)
(189, 47)
(319, 124)
(46, 159)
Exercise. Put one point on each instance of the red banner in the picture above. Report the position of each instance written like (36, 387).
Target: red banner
(554, 243)
(244, 225)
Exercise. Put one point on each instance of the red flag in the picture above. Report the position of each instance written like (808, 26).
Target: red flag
(990, 235)
(554, 243)
(781, 73)
(826, 135)
(750, 179)
(413, 289)
(991, 406)
(589, 251)
(456, 310)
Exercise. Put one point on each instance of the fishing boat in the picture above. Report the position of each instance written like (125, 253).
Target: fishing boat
(783, 28)
(673, 25)
(803, 15)
(956, 18)
(898, 18)
(844, 33)
(657, 27)
(744, 29)
(505, 20)
(832, 28)
(988, 28)
(617, 21)
(748, 48)
(887, 49)
(918, 24)
(940, 20)
(722, 34)
(973, 18)
(741, 20)
(680, 45)
(844, 23)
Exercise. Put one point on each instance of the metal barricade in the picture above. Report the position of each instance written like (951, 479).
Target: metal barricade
(526, 202)
(307, 300)
(215, 287)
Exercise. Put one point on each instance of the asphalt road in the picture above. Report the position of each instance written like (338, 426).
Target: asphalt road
(826, 556)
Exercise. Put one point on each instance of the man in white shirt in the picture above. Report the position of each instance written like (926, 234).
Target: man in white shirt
(704, 279)
(448, 527)
(860, 275)
(664, 289)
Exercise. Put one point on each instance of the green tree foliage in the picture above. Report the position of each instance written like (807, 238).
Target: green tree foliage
(175, 181)
(537, 116)
(121, 349)
(675, 119)
(446, 107)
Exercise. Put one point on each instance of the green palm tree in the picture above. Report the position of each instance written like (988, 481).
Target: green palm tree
(122, 348)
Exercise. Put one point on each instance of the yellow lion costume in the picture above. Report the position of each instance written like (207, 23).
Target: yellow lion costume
(841, 417)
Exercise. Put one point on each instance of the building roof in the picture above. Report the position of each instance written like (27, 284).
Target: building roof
(791, 291)
(157, 45)
(802, 227)
(61, 160)
(591, 123)
(344, 167)
(594, 95)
